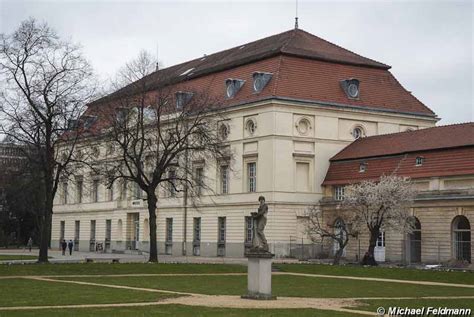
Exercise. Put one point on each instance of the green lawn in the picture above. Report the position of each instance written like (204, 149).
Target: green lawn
(380, 272)
(122, 268)
(23, 292)
(177, 310)
(283, 285)
(9, 257)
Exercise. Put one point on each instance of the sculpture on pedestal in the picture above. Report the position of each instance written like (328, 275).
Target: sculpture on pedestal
(259, 276)
(259, 242)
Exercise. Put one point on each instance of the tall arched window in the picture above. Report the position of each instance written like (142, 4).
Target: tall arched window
(461, 238)
(414, 240)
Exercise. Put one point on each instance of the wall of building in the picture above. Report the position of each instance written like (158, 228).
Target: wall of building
(291, 147)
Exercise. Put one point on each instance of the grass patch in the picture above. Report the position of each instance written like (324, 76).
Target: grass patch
(117, 268)
(284, 285)
(10, 257)
(380, 272)
(372, 305)
(177, 310)
(24, 292)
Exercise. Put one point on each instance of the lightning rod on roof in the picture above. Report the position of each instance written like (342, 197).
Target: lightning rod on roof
(157, 66)
(296, 15)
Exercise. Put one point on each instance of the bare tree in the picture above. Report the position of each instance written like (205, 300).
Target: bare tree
(380, 205)
(156, 136)
(45, 85)
(339, 231)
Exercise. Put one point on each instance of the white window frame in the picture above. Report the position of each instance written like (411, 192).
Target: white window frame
(339, 193)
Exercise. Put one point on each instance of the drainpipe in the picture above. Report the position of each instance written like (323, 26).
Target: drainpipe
(185, 197)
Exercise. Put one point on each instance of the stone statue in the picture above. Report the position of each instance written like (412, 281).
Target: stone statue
(259, 242)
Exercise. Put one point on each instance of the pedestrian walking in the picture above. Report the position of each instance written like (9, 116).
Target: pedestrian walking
(30, 243)
(64, 246)
(70, 245)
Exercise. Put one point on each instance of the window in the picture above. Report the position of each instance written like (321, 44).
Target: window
(62, 226)
(358, 132)
(197, 236)
(419, 161)
(65, 193)
(197, 229)
(221, 236)
(108, 233)
(79, 189)
(199, 180)
(224, 179)
(169, 236)
(110, 192)
(248, 230)
(233, 86)
(252, 177)
(362, 167)
(172, 183)
(351, 87)
(339, 193)
(137, 191)
(223, 131)
(221, 222)
(123, 192)
(260, 80)
(95, 190)
(77, 230)
(182, 98)
(93, 225)
(250, 126)
(169, 229)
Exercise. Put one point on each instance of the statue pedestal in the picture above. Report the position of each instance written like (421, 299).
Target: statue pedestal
(259, 276)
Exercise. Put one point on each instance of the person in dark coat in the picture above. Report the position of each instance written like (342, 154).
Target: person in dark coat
(70, 245)
(64, 246)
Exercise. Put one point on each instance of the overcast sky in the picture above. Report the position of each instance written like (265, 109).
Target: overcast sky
(429, 44)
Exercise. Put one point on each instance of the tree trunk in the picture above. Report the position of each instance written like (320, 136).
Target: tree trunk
(45, 228)
(369, 258)
(152, 201)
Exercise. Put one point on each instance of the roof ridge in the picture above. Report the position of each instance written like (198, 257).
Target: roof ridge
(343, 48)
(415, 131)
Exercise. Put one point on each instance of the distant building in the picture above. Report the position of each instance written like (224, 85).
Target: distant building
(291, 102)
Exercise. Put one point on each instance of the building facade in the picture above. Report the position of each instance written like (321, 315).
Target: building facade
(440, 162)
(291, 102)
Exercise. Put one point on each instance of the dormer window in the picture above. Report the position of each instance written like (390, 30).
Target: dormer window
(350, 87)
(260, 80)
(419, 160)
(89, 121)
(121, 115)
(182, 98)
(362, 167)
(233, 86)
(72, 124)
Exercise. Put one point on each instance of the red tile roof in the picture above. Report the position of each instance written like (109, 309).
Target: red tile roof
(304, 67)
(446, 151)
(441, 137)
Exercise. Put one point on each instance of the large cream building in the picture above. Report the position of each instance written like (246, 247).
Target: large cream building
(291, 102)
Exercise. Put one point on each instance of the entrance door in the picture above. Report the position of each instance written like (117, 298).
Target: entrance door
(136, 234)
(379, 252)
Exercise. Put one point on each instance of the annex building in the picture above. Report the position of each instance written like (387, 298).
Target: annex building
(292, 101)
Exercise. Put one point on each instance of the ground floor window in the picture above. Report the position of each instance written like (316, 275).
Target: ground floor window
(108, 233)
(77, 230)
(92, 238)
(169, 236)
(461, 229)
(197, 236)
(221, 236)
